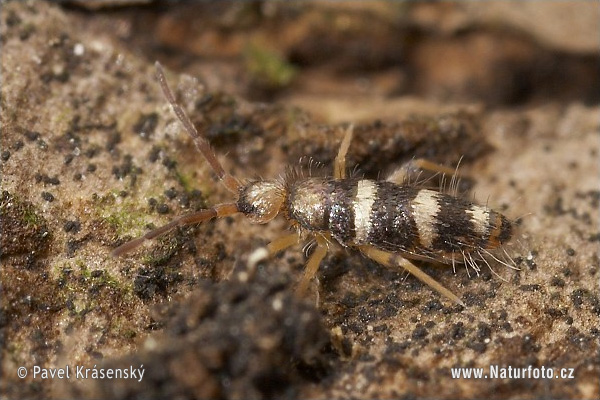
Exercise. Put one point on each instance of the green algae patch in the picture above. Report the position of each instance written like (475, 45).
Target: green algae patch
(268, 67)
(124, 218)
(24, 229)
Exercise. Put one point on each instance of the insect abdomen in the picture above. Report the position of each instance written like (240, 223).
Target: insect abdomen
(395, 218)
(448, 225)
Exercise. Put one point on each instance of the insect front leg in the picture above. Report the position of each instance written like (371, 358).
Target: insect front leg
(282, 243)
(395, 260)
(276, 246)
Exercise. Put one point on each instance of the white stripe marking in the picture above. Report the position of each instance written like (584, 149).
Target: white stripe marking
(366, 192)
(480, 218)
(425, 210)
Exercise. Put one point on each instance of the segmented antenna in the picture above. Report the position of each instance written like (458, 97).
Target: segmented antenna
(231, 183)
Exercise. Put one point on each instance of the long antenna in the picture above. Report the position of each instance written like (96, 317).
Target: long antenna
(231, 183)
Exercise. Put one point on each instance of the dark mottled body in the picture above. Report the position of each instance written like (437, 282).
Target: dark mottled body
(401, 219)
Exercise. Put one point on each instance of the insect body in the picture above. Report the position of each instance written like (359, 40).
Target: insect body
(391, 217)
(387, 221)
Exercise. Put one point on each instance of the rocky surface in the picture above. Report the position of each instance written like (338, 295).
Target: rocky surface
(91, 156)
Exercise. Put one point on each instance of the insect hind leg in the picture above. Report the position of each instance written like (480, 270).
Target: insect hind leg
(395, 260)
(411, 171)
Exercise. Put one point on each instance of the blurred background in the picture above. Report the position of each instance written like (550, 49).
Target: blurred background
(499, 53)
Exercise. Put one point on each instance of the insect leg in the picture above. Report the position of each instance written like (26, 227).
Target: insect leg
(339, 168)
(264, 253)
(393, 260)
(410, 171)
(312, 265)
(282, 243)
(219, 211)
